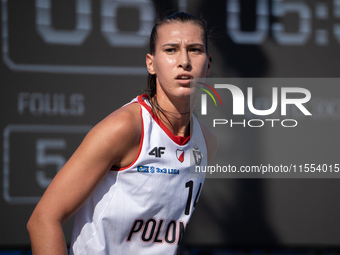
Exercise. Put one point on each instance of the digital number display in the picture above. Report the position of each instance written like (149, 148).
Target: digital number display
(33, 154)
(279, 10)
(22, 36)
(27, 43)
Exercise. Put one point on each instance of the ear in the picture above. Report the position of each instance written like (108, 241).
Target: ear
(149, 63)
(209, 64)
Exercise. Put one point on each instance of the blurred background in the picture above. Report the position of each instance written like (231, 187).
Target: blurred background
(68, 64)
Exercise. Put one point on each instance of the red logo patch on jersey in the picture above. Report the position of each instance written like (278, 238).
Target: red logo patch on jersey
(180, 155)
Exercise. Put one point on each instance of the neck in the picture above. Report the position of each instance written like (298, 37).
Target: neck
(175, 114)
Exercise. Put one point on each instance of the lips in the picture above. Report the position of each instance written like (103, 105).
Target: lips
(183, 77)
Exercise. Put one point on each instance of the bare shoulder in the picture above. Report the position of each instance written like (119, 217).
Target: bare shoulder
(124, 120)
(210, 139)
(121, 131)
(113, 141)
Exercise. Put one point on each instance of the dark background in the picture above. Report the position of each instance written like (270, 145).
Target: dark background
(68, 64)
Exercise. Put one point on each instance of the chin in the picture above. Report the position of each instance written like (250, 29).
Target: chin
(185, 94)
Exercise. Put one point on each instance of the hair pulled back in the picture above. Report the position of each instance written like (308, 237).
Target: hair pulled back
(180, 17)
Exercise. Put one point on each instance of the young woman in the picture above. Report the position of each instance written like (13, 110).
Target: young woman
(129, 181)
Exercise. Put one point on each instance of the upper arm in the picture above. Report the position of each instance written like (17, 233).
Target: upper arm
(210, 140)
(111, 142)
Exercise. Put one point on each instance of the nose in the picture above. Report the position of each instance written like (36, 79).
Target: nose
(184, 60)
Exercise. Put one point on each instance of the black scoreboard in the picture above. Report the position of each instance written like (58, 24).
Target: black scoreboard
(68, 64)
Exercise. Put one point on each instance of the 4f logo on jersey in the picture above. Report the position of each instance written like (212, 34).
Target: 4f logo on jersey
(157, 152)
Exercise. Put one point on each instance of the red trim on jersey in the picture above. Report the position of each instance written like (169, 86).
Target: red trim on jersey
(180, 140)
(140, 147)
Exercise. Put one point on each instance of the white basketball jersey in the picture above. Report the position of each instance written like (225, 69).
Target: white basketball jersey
(144, 208)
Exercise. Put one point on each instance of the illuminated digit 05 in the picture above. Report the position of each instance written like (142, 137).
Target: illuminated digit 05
(70, 37)
(280, 8)
(127, 39)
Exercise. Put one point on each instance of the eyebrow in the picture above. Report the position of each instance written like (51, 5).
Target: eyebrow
(176, 45)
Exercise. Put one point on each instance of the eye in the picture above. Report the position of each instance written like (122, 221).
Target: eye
(170, 50)
(196, 50)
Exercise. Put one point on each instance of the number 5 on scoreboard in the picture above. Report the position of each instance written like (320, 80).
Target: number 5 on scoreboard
(43, 159)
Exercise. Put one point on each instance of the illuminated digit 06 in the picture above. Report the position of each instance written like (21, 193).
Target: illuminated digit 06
(234, 27)
(70, 37)
(127, 39)
(280, 8)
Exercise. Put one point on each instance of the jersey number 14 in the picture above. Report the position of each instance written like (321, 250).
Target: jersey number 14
(190, 185)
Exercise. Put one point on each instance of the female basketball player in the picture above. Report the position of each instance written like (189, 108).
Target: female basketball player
(129, 181)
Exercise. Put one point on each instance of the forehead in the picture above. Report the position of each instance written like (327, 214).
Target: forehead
(176, 32)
